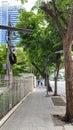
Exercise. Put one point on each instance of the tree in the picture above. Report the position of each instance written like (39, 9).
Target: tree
(59, 11)
(59, 46)
(40, 44)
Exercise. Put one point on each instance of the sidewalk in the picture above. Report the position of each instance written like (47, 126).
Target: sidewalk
(36, 113)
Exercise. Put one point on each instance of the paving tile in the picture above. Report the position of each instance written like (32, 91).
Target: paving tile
(68, 127)
(41, 128)
(35, 114)
(59, 128)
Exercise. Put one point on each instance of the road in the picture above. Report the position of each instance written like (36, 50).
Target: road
(60, 88)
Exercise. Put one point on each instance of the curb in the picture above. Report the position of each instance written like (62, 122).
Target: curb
(6, 117)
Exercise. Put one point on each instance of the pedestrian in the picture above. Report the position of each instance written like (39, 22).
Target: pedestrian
(41, 84)
(38, 82)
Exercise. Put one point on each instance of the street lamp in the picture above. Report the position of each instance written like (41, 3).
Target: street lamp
(47, 61)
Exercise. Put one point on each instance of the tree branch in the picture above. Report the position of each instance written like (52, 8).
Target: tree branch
(42, 73)
(59, 13)
(53, 14)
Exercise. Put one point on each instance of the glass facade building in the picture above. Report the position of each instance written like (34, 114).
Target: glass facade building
(5, 12)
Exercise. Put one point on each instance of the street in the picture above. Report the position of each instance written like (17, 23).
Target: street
(60, 87)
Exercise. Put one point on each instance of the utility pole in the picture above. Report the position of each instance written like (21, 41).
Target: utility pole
(9, 47)
(9, 66)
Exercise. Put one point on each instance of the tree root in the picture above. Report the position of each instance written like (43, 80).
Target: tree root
(65, 119)
(55, 95)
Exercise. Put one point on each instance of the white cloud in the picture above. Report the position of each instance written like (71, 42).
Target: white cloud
(28, 5)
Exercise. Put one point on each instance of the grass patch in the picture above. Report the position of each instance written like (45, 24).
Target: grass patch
(58, 101)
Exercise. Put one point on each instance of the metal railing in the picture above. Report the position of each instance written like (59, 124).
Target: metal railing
(12, 91)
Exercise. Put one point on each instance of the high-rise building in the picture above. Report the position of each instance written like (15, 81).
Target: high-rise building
(7, 10)
(3, 20)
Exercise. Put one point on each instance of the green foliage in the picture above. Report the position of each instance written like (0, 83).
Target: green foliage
(22, 64)
(3, 58)
(23, 1)
(44, 40)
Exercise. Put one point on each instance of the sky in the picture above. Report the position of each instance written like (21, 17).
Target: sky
(28, 5)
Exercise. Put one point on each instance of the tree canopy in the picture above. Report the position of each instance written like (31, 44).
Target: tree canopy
(43, 42)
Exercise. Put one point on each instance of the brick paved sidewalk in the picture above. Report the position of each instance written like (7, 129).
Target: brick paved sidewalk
(35, 113)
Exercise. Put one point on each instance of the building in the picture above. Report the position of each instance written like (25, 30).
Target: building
(7, 10)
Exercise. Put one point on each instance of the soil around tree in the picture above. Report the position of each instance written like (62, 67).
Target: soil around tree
(58, 120)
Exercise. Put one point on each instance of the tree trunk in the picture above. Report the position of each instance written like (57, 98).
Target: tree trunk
(58, 60)
(47, 83)
(67, 46)
(43, 74)
(49, 87)
(69, 80)
(55, 82)
(55, 89)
